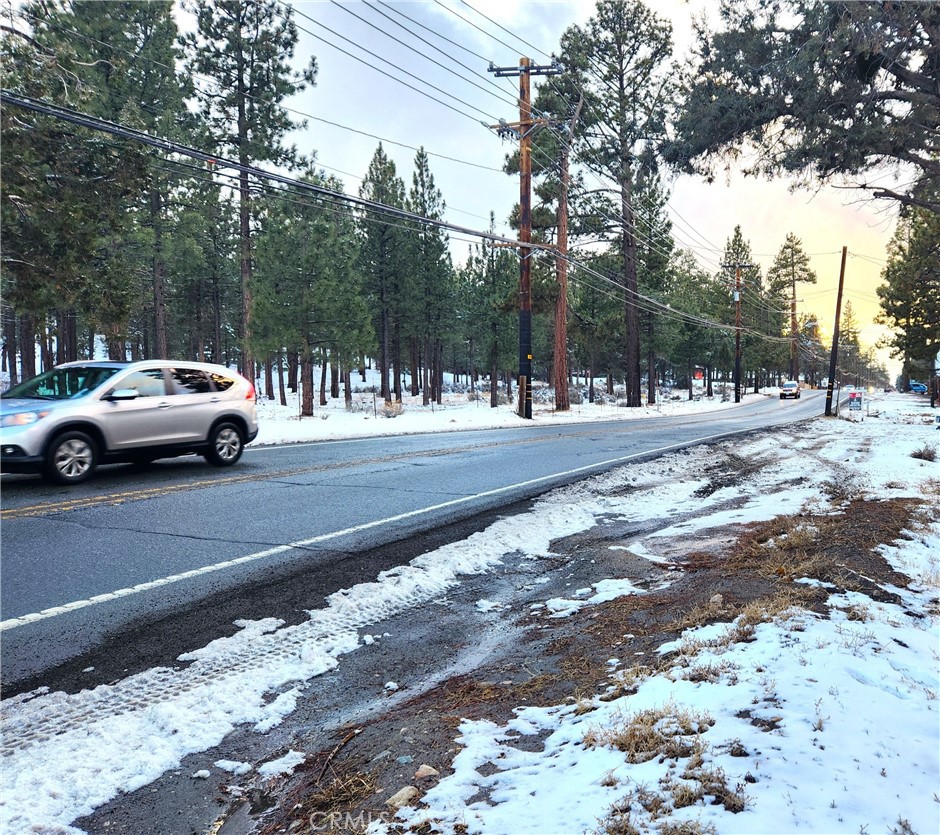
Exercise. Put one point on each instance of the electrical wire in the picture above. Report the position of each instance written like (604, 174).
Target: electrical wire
(507, 31)
(401, 70)
(301, 113)
(471, 23)
(500, 95)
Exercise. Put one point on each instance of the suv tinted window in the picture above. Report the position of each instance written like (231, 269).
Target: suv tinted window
(222, 383)
(62, 383)
(148, 382)
(190, 381)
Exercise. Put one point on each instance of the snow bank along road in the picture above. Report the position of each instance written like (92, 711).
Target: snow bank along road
(814, 721)
(85, 563)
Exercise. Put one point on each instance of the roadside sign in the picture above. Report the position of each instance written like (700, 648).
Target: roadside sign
(855, 400)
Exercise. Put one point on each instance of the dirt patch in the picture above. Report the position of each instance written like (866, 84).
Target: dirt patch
(748, 572)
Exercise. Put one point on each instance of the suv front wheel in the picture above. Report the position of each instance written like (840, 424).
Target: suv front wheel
(225, 445)
(71, 458)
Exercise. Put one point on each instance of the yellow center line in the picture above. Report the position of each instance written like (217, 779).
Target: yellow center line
(48, 508)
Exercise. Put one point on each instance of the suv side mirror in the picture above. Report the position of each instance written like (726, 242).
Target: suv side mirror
(122, 394)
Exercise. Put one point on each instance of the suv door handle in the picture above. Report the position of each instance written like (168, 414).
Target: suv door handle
(165, 406)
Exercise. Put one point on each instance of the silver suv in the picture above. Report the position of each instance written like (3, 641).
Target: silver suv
(73, 417)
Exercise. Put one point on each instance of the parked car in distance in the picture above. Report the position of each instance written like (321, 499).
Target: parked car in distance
(790, 388)
(919, 388)
(67, 420)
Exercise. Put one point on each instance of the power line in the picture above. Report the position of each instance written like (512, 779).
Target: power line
(167, 146)
(399, 69)
(504, 29)
(500, 95)
(471, 23)
(436, 34)
(304, 114)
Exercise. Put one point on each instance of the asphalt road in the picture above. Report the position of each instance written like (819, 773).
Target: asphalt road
(107, 562)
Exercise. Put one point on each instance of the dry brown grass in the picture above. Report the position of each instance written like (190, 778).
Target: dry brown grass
(465, 694)
(334, 792)
(714, 783)
(930, 487)
(686, 828)
(626, 682)
(712, 672)
(669, 732)
(820, 546)
(925, 453)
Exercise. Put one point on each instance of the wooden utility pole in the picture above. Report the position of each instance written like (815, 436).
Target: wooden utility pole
(794, 333)
(834, 354)
(560, 364)
(737, 326)
(526, 125)
(737, 334)
(525, 236)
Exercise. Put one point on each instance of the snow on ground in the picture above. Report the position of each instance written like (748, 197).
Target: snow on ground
(853, 704)
(461, 410)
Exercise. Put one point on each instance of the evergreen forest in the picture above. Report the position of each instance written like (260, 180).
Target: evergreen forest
(152, 207)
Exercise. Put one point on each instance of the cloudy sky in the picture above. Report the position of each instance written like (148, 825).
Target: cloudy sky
(449, 45)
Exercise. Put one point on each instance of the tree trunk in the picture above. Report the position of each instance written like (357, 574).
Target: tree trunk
(439, 375)
(650, 362)
(160, 349)
(217, 355)
(244, 215)
(396, 360)
(27, 346)
(292, 371)
(10, 347)
(347, 388)
(323, 378)
(415, 367)
(384, 347)
(334, 379)
(306, 384)
(268, 378)
(282, 394)
(426, 377)
(629, 278)
(494, 380)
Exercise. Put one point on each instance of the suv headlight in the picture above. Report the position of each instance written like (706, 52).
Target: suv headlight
(22, 418)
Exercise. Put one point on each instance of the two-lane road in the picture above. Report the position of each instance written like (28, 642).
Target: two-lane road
(84, 564)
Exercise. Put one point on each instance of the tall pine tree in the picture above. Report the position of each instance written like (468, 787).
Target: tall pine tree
(246, 48)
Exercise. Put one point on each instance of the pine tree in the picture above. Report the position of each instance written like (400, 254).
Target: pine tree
(306, 288)
(910, 294)
(246, 48)
(431, 281)
(69, 193)
(620, 58)
(490, 282)
(382, 262)
(790, 267)
(654, 252)
(826, 90)
(850, 347)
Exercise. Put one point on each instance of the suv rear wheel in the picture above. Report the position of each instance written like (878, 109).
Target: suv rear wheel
(225, 445)
(71, 458)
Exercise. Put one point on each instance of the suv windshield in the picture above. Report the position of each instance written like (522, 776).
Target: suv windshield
(63, 383)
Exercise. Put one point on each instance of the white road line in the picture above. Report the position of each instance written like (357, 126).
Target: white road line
(54, 611)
